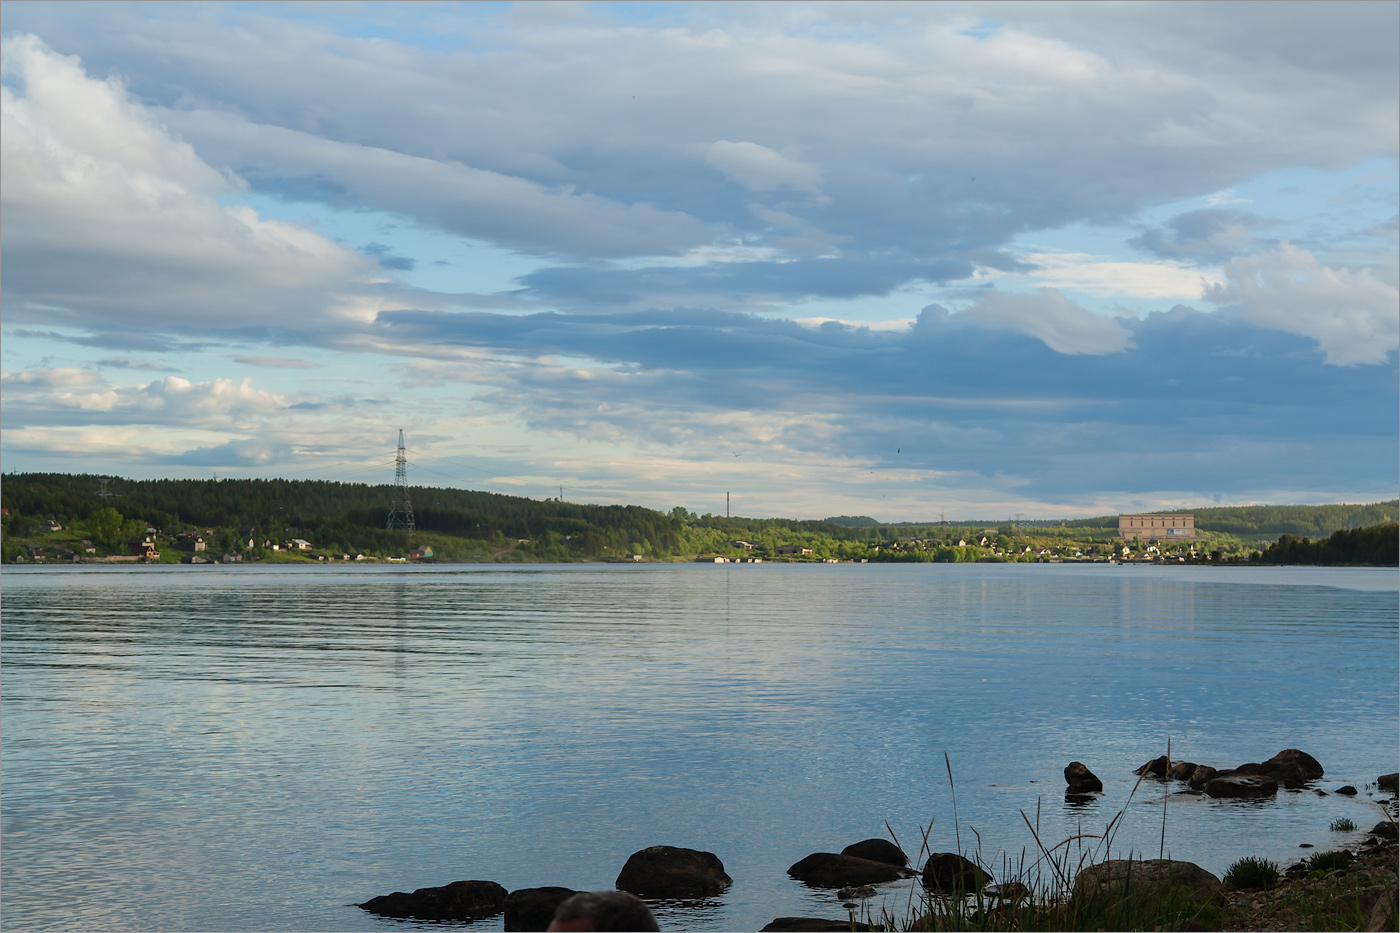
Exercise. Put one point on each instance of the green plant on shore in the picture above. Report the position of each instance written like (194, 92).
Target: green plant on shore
(1038, 891)
(1252, 874)
(1343, 825)
(1321, 863)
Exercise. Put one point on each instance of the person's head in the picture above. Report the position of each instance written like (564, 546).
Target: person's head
(603, 910)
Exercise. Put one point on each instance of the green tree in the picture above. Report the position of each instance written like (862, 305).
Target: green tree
(106, 527)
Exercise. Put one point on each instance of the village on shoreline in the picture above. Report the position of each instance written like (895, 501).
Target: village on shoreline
(61, 519)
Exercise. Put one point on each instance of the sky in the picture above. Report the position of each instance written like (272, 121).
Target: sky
(899, 260)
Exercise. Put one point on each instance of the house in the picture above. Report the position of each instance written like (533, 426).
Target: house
(743, 545)
(298, 544)
(419, 553)
(145, 549)
(199, 544)
(793, 549)
(52, 525)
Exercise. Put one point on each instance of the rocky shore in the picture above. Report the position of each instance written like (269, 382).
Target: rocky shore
(1353, 888)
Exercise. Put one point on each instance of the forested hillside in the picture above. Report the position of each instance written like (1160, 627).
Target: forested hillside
(254, 518)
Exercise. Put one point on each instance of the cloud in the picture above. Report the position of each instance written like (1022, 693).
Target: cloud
(123, 362)
(1101, 275)
(112, 224)
(80, 396)
(501, 208)
(1204, 236)
(247, 452)
(1049, 316)
(274, 362)
(759, 168)
(1353, 316)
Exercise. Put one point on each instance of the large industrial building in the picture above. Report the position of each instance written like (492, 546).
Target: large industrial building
(1174, 527)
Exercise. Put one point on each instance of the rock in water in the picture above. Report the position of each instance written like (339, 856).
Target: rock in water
(1202, 775)
(829, 870)
(1347, 791)
(1181, 771)
(1081, 780)
(1243, 786)
(1385, 829)
(667, 871)
(1113, 881)
(1292, 768)
(1390, 782)
(461, 900)
(811, 925)
(1157, 767)
(877, 850)
(950, 873)
(533, 908)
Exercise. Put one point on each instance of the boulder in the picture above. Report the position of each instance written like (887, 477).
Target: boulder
(460, 900)
(1157, 767)
(1383, 913)
(950, 873)
(811, 925)
(830, 870)
(1290, 762)
(1202, 775)
(1385, 829)
(1010, 891)
(1241, 786)
(1347, 791)
(1390, 782)
(667, 871)
(1181, 771)
(533, 908)
(1081, 780)
(856, 893)
(1119, 879)
(877, 850)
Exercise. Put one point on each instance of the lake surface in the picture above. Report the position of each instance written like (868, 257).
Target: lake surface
(259, 748)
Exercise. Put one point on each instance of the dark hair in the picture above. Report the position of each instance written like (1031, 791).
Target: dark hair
(608, 910)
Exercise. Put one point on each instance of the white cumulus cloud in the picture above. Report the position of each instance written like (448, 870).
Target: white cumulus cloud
(1050, 317)
(1353, 316)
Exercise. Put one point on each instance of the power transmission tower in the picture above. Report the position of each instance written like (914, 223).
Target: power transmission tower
(102, 491)
(401, 515)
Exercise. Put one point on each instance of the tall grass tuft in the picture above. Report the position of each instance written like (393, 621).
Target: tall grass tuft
(1343, 825)
(1251, 874)
(1037, 890)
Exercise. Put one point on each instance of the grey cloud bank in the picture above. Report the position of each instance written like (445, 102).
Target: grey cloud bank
(676, 192)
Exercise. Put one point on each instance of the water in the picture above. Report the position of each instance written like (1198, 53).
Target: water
(259, 748)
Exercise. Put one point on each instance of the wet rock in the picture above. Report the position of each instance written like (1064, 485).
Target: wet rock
(1320, 792)
(1202, 775)
(1157, 767)
(1390, 782)
(1347, 791)
(1305, 845)
(1010, 891)
(811, 925)
(1181, 771)
(950, 873)
(877, 850)
(1241, 786)
(855, 894)
(830, 870)
(533, 908)
(668, 871)
(1115, 880)
(1292, 768)
(1081, 780)
(1385, 829)
(461, 900)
